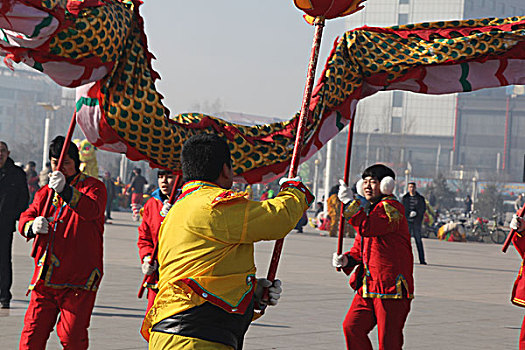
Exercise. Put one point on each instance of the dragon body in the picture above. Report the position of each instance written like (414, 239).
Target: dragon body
(100, 48)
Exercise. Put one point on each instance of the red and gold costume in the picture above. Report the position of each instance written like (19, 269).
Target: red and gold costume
(383, 279)
(68, 264)
(205, 254)
(148, 237)
(518, 291)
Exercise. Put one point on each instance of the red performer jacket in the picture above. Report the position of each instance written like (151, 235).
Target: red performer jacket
(518, 291)
(149, 231)
(73, 257)
(382, 251)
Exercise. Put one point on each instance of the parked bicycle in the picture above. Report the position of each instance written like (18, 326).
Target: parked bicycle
(481, 230)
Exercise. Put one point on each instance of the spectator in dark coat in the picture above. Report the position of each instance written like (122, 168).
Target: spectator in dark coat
(14, 196)
(111, 191)
(415, 208)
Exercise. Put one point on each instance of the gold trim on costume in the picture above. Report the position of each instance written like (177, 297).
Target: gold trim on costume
(352, 209)
(75, 198)
(393, 214)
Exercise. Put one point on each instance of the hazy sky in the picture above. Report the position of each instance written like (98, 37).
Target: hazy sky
(252, 55)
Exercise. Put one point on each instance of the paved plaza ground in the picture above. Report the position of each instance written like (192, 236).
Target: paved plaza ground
(462, 296)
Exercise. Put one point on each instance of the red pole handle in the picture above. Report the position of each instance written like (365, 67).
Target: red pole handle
(346, 179)
(147, 278)
(47, 206)
(506, 244)
(299, 137)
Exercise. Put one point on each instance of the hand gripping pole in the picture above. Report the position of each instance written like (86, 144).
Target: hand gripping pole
(346, 179)
(49, 200)
(506, 244)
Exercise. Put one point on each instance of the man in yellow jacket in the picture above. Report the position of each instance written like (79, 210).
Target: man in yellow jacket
(207, 286)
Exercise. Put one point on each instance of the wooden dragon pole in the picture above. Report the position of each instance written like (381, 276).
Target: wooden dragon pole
(299, 138)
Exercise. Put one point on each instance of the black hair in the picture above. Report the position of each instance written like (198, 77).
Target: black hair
(412, 183)
(203, 157)
(138, 171)
(5, 144)
(378, 171)
(162, 172)
(333, 190)
(55, 148)
(31, 163)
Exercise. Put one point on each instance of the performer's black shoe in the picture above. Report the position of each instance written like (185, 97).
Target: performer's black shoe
(5, 304)
(423, 263)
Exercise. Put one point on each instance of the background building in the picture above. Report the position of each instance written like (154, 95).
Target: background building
(22, 119)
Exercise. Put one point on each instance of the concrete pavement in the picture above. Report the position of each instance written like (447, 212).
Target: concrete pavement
(462, 296)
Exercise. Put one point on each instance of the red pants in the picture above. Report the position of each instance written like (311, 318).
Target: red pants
(389, 315)
(75, 307)
(522, 336)
(136, 198)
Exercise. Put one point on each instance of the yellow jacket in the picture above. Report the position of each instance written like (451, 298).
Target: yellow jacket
(206, 247)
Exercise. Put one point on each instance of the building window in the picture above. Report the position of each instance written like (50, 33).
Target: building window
(397, 99)
(402, 2)
(396, 125)
(402, 18)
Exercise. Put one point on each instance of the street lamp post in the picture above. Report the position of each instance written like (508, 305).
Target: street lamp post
(316, 176)
(50, 109)
(328, 170)
(407, 177)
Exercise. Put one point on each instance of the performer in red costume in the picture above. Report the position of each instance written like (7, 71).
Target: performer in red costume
(518, 291)
(383, 256)
(155, 211)
(68, 258)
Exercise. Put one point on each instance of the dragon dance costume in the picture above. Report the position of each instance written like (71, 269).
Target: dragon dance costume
(518, 290)
(383, 279)
(206, 262)
(68, 264)
(100, 48)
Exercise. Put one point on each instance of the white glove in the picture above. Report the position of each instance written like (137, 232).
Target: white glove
(165, 208)
(412, 214)
(339, 260)
(516, 223)
(57, 181)
(286, 179)
(345, 194)
(148, 268)
(40, 225)
(274, 291)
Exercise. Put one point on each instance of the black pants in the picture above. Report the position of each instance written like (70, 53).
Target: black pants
(6, 269)
(108, 209)
(415, 231)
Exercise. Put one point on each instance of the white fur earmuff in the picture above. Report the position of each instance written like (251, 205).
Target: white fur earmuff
(387, 185)
(359, 188)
